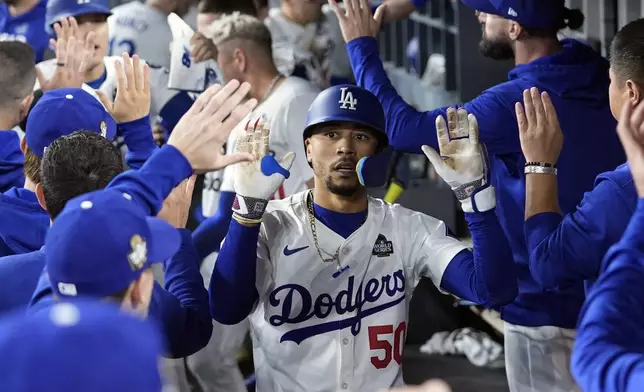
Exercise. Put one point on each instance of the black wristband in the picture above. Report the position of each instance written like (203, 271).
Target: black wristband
(542, 164)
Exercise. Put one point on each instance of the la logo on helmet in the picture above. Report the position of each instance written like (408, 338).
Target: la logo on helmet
(346, 99)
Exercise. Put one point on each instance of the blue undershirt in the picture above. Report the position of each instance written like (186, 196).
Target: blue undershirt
(343, 224)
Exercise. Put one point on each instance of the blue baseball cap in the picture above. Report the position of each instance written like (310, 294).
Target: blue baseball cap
(101, 242)
(535, 14)
(60, 112)
(79, 346)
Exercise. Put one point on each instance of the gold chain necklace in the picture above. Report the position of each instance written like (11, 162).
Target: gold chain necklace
(336, 256)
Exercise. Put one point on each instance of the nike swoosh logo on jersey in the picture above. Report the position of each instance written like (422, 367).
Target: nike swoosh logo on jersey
(288, 252)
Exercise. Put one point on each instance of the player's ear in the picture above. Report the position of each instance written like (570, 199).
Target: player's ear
(25, 105)
(23, 145)
(239, 57)
(40, 195)
(634, 92)
(307, 147)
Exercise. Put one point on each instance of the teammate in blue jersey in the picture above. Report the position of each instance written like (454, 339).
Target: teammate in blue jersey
(539, 324)
(60, 112)
(571, 248)
(608, 354)
(16, 81)
(84, 346)
(24, 21)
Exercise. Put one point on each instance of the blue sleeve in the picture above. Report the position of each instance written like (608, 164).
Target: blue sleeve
(174, 109)
(409, 129)
(182, 308)
(475, 276)
(153, 182)
(137, 136)
(232, 288)
(12, 161)
(211, 232)
(43, 294)
(608, 355)
(571, 249)
(419, 3)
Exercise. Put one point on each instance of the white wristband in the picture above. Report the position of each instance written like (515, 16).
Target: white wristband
(540, 170)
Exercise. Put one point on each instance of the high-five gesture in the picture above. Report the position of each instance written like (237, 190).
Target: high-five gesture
(356, 19)
(539, 130)
(132, 90)
(72, 57)
(204, 129)
(631, 133)
(257, 181)
(462, 162)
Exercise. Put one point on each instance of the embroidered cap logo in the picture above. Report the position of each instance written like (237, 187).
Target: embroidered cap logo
(346, 99)
(139, 253)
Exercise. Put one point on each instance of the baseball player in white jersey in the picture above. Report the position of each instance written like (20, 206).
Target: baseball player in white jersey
(142, 28)
(283, 101)
(327, 274)
(307, 42)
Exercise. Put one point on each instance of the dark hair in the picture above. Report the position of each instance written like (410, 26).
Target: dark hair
(227, 7)
(571, 18)
(627, 52)
(75, 164)
(18, 75)
(31, 167)
(37, 95)
(261, 4)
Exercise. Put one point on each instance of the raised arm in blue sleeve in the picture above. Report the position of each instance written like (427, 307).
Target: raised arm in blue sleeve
(608, 355)
(182, 308)
(12, 161)
(232, 289)
(138, 138)
(409, 129)
(486, 275)
(174, 109)
(153, 182)
(211, 232)
(571, 248)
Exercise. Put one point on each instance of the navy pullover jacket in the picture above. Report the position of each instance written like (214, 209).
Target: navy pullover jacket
(577, 80)
(608, 352)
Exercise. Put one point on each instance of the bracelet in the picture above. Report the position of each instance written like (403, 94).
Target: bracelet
(540, 170)
(243, 220)
(544, 164)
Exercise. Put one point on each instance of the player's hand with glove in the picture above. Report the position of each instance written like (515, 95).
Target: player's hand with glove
(132, 100)
(256, 181)
(462, 162)
(201, 133)
(73, 56)
(539, 130)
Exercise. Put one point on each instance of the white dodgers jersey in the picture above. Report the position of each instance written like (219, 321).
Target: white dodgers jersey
(137, 28)
(317, 48)
(285, 110)
(316, 329)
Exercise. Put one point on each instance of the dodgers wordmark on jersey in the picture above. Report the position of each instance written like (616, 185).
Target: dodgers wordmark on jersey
(137, 28)
(318, 48)
(285, 110)
(316, 330)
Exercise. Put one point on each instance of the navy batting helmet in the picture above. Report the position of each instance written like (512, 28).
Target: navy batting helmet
(347, 103)
(59, 9)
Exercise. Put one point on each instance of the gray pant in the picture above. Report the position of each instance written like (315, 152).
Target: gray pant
(537, 359)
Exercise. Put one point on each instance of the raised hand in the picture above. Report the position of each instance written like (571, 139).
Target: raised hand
(256, 181)
(539, 130)
(72, 57)
(462, 161)
(132, 100)
(356, 19)
(631, 133)
(204, 129)
(176, 207)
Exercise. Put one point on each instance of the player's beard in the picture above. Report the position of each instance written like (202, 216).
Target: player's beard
(341, 190)
(496, 48)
